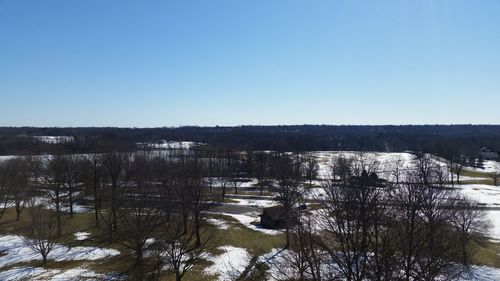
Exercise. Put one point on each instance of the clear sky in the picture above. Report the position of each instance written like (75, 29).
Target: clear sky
(232, 62)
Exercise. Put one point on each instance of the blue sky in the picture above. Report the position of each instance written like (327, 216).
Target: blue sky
(233, 62)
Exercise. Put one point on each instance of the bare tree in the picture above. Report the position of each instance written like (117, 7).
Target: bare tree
(4, 194)
(288, 191)
(224, 172)
(341, 166)
(304, 258)
(495, 175)
(408, 229)
(196, 192)
(311, 168)
(458, 169)
(54, 180)
(93, 177)
(352, 217)
(441, 175)
(72, 175)
(421, 215)
(396, 168)
(16, 182)
(139, 220)
(235, 183)
(211, 171)
(435, 216)
(117, 167)
(179, 252)
(470, 223)
(42, 231)
(261, 170)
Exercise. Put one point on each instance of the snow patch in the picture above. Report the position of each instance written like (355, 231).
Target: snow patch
(171, 145)
(38, 273)
(16, 249)
(251, 220)
(80, 236)
(220, 224)
(230, 264)
(55, 139)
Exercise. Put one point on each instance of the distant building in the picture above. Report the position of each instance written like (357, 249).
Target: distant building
(366, 179)
(488, 154)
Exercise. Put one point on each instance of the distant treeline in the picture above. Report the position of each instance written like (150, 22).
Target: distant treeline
(443, 140)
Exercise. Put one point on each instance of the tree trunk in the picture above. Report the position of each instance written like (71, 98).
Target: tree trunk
(70, 203)
(96, 208)
(465, 261)
(138, 256)
(184, 222)
(58, 215)
(197, 227)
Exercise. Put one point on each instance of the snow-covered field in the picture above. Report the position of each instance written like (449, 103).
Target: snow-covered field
(171, 144)
(487, 195)
(382, 160)
(489, 166)
(55, 139)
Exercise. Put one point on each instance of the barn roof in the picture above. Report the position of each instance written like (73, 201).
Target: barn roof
(275, 213)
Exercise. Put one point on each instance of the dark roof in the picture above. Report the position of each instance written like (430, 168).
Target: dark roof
(275, 213)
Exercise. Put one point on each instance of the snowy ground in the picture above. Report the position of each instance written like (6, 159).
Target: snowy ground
(38, 273)
(489, 166)
(220, 224)
(494, 217)
(487, 195)
(278, 270)
(44, 201)
(6, 157)
(253, 202)
(16, 249)
(55, 139)
(171, 145)
(230, 264)
(251, 221)
(80, 236)
(381, 160)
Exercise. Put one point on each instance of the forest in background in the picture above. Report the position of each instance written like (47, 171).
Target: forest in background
(443, 140)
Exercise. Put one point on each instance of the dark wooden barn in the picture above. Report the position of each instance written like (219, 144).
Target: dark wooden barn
(275, 217)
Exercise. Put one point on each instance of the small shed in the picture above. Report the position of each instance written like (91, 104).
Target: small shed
(275, 217)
